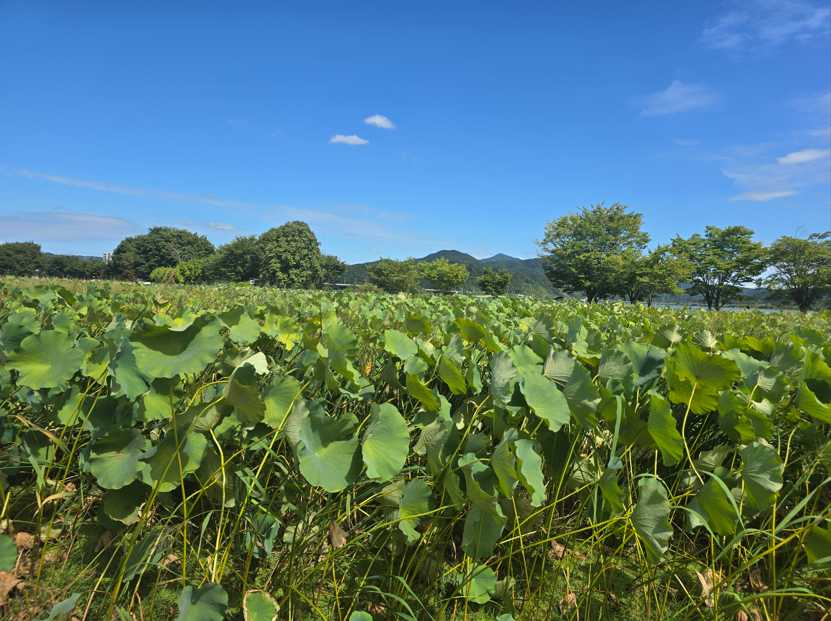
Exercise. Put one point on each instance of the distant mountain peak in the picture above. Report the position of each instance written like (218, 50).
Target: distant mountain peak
(499, 257)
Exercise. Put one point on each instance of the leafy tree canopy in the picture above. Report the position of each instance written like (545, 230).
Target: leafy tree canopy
(70, 266)
(582, 249)
(494, 282)
(801, 268)
(721, 262)
(443, 275)
(395, 276)
(291, 256)
(162, 246)
(21, 259)
(643, 277)
(236, 261)
(333, 268)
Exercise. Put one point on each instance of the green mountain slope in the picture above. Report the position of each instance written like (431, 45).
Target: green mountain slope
(528, 277)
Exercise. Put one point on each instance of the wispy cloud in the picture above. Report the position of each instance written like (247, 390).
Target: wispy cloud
(679, 97)
(755, 27)
(222, 226)
(379, 120)
(686, 143)
(185, 222)
(64, 226)
(762, 195)
(766, 178)
(806, 155)
(238, 122)
(353, 139)
(352, 221)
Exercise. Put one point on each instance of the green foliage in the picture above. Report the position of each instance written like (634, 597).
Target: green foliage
(394, 276)
(443, 275)
(291, 256)
(416, 447)
(494, 282)
(583, 249)
(722, 261)
(236, 261)
(801, 268)
(21, 259)
(161, 246)
(70, 266)
(643, 278)
(332, 267)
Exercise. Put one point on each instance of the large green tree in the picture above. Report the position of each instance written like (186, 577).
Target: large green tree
(21, 259)
(581, 249)
(71, 266)
(333, 268)
(494, 282)
(722, 261)
(291, 256)
(801, 268)
(394, 276)
(643, 277)
(236, 261)
(443, 275)
(161, 246)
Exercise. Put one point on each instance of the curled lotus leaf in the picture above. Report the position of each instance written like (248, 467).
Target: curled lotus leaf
(162, 351)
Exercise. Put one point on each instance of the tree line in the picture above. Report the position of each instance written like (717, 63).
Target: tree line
(601, 251)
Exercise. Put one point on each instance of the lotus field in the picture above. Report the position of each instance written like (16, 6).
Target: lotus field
(209, 453)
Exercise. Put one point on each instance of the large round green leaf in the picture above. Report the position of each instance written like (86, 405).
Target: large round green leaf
(386, 442)
(650, 520)
(279, 397)
(413, 509)
(45, 360)
(330, 456)
(479, 585)
(545, 400)
(124, 505)
(529, 468)
(162, 351)
(662, 427)
(693, 365)
(8, 553)
(762, 474)
(114, 457)
(207, 603)
(259, 606)
(241, 328)
(481, 532)
(165, 460)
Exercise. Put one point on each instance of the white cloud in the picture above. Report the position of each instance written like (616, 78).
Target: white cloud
(755, 27)
(379, 120)
(185, 222)
(238, 122)
(678, 98)
(762, 195)
(222, 226)
(353, 139)
(64, 226)
(804, 156)
(686, 143)
(765, 179)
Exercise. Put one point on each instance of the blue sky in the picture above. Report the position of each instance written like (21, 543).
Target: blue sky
(475, 123)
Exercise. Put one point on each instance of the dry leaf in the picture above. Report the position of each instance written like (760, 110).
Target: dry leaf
(8, 584)
(69, 488)
(755, 615)
(22, 567)
(24, 541)
(756, 580)
(170, 560)
(376, 609)
(337, 535)
(558, 550)
(104, 541)
(50, 557)
(298, 614)
(742, 616)
(569, 604)
(706, 582)
(6, 527)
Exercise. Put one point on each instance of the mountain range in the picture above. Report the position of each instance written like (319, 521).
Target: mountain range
(528, 276)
